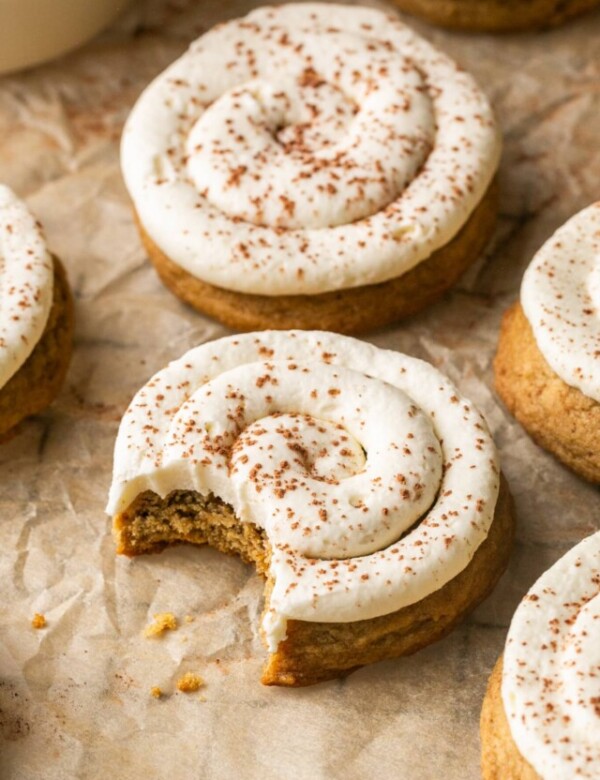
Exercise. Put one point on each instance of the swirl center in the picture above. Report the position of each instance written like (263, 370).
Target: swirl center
(308, 141)
(323, 450)
(271, 434)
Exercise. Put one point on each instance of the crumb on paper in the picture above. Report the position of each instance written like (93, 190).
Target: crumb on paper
(156, 692)
(39, 621)
(163, 621)
(189, 683)
(189, 618)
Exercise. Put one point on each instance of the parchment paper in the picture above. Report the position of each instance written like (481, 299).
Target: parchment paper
(75, 697)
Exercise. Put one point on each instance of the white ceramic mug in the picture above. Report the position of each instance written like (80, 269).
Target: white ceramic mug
(32, 31)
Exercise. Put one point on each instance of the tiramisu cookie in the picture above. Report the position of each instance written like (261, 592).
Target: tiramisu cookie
(548, 361)
(541, 715)
(312, 166)
(36, 316)
(497, 15)
(358, 480)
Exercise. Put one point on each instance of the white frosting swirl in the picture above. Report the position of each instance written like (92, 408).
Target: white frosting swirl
(551, 677)
(374, 480)
(26, 279)
(307, 148)
(560, 295)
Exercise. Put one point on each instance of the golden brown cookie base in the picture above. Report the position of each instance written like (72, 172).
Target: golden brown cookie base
(38, 381)
(500, 757)
(353, 310)
(314, 652)
(557, 416)
(497, 15)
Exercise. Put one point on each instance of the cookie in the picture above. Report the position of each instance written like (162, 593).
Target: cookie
(354, 310)
(496, 15)
(36, 320)
(359, 482)
(37, 383)
(500, 757)
(547, 367)
(312, 166)
(540, 718)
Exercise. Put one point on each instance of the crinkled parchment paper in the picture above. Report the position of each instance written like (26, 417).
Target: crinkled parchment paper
(75, 697)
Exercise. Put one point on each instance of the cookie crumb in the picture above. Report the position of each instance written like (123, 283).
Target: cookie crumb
(163, 621)
(189, 618)
(156, 692)
(189, 683)
(38, 621)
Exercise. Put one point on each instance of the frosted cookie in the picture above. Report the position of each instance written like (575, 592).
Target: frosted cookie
(541, 714)
(365, 489)
(548, 361)
(36, 316)
(312, 166)
(497, 15)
